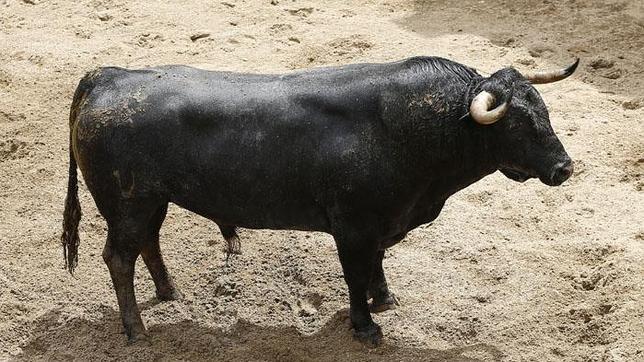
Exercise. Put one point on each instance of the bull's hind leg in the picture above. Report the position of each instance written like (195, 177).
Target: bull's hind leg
(151, 254)
(128, 232)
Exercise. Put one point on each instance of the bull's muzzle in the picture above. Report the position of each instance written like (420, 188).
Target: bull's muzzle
(560, 173)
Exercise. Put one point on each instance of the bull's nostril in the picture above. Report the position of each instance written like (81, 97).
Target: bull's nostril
(562, 172)
(569, 169)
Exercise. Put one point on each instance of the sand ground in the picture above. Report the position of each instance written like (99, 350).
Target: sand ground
(508, 272)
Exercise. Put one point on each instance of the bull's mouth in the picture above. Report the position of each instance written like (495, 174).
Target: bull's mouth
(550, 181)
(516, 175)
(558, 174)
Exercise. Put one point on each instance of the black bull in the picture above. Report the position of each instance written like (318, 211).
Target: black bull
(363, 152)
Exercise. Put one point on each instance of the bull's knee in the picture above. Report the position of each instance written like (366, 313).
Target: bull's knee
(118, 261)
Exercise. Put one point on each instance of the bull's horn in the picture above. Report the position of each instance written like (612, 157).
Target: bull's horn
(479, 108)
(549, 76)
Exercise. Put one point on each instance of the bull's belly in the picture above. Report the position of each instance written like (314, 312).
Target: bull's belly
(245, 209)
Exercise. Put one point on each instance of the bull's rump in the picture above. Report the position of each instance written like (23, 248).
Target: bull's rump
(257, 151)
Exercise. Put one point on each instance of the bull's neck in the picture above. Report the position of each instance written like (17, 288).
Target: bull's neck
(467, 157)
(451, 151)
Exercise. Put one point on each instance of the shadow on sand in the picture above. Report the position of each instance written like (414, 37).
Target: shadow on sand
(539, 27)
(99, 339)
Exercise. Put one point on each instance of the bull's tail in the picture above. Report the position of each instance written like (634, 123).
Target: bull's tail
(72, 213)
(71, 216)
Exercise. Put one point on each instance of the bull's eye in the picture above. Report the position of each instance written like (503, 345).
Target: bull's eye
(514, 125)
(523, 118)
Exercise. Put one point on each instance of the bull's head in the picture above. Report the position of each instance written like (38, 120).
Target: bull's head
(525, 144)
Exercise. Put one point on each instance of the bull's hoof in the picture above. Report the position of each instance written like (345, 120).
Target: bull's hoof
(139, 338)
(379, 305)
(370, 336)
(169, 295)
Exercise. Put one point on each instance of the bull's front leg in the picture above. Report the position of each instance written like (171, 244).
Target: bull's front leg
(357, 257)
(381, 298)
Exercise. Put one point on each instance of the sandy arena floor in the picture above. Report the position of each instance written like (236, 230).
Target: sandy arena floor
(508, 272)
